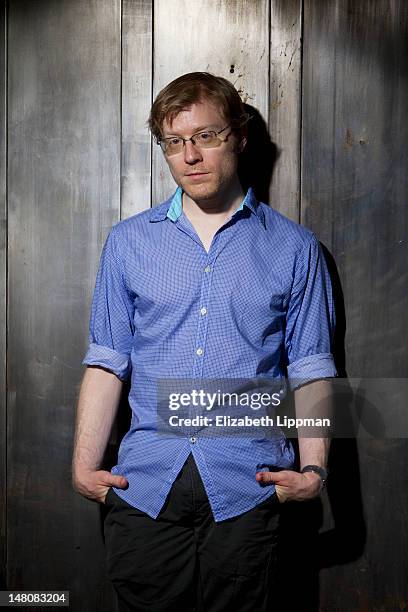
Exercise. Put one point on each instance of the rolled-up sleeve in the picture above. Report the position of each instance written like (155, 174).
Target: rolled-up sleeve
(310, 320)
(111, 326)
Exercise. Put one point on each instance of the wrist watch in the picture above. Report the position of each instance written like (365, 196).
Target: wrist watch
(317, 469)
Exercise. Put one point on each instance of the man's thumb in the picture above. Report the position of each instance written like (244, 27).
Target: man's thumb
(119, 482)
(267, 477)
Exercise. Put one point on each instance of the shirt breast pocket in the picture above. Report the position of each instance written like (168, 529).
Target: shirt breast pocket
(261, 302)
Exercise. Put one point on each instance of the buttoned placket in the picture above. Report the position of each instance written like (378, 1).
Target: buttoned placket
(208, 267)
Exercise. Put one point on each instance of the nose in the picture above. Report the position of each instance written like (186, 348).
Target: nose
(192, 154)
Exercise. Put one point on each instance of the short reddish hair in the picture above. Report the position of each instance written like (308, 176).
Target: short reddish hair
(190, 89)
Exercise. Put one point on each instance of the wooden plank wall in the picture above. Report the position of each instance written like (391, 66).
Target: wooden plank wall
(3, 293)
(207, 35)
(285, 104)
(137, 77)
(327, 80)
(64, 196)
(354, 196)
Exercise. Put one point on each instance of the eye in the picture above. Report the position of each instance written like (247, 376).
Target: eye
(173, 141)
(205, 136)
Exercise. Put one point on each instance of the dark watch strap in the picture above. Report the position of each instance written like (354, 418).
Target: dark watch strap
(323, 473)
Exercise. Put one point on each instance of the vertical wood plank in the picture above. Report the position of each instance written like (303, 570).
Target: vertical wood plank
(354, 194)
(3, 291)
(285, 104)
(354, 168)
(229, 39)
(64, 187)
(136, 102)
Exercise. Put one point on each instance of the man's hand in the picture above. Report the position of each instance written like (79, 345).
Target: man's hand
(97, 406)
(95, 485)
(292, 486)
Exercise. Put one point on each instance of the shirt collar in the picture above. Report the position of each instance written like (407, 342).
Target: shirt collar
(173, 207)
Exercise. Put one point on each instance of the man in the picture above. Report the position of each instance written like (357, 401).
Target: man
(211, 284)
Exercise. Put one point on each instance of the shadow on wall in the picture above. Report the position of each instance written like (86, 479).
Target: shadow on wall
(305, 551)
(257, 161)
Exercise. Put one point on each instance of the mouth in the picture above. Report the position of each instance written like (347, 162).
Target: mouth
(196, 177)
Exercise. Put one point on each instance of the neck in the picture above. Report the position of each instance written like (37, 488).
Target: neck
(222, 204)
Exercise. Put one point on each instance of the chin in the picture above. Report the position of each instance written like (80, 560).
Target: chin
(201, 191)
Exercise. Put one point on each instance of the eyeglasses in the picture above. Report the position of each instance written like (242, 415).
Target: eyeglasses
(203, 140)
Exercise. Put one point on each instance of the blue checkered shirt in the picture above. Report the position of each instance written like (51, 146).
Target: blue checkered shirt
(257, 304)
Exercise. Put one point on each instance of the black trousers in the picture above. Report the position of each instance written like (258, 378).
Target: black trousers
(184, 561)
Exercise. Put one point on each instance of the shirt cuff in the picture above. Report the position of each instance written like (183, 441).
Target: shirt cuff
(312, 367)
(104, 356)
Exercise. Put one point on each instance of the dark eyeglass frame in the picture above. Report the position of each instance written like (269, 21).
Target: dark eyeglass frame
(162, 141)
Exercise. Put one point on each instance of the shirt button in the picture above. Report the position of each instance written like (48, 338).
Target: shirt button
(207, 269)
(199, 351)
(193, 439)
(203, 311)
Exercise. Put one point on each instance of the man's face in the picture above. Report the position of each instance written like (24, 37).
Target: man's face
(203, 173)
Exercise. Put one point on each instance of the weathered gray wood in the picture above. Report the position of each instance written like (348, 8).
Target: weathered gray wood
(136, 102)
(64, 187)
(64, 174)
(3, 291)
(354, 168)
(285, 104)
(229, 39)
(354, 195)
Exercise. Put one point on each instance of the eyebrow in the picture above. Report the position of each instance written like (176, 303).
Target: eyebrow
(199, 129)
